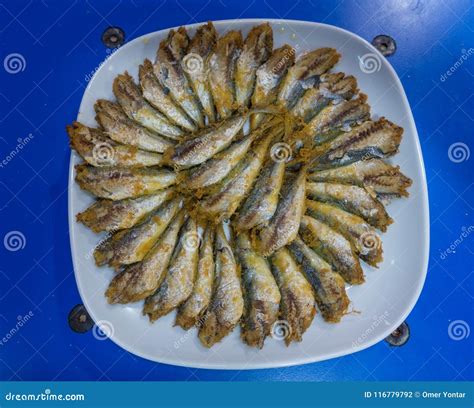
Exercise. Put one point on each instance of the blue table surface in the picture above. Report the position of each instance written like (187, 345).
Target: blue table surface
(60, 43)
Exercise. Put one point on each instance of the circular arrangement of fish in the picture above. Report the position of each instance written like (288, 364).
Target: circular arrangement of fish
(238, 184)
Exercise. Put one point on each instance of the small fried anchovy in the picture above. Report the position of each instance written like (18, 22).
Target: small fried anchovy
(154, 93)
(284, 225)
(190, 311)
(261, 294)
(97, 149)
(334, 119)
(134, 105)
(332, 88)
(140, 280)
(354, 199)
(222, 64)
(217, 168)
(117, 183)
(268, 79)
(197, 150)
(260, 205)
(108, 215)
(328, 286)
(180, 276)
(226, 196)
(256, 50)
(227, 304)
(196, 66)
(333, 248)
(304, 74)
(128, 246)
(297, 305)
(362, 236)
(370, 140)
(375, 174)
(168, 69)
(120, 128)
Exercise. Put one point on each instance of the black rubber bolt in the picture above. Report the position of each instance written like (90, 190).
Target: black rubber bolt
(113, 37)
(385, 44)
(79, 319)
(399, 336)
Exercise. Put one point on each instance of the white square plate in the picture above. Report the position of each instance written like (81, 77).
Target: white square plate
(380, 305)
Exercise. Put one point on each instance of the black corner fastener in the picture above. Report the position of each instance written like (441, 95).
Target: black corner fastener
(113, 37)
(385, 44)
(79, 319)
(399, 336)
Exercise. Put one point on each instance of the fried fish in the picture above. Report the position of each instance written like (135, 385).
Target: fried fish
(328, 286)
(256, 50)
(333, 248)
(260, 291)
(226, 197)
(168, 69)
(178, 283)
(190, 311)
(357, 200)
(138, 109)
(227, 304)
(131, 245)
(154, 93)
(304, 74)
(375, 174)
(268, 79)
(219, 166)
(260, 205)
(117, 183)
(361, 235)
(297, 305)
(140, 280)
(284, 225)
(108, 215)
(331, 88)
(198, 149)
(334, 119)
(120, 128)
(97, 149)
(222, 66)
(372, 139)
(196, 66)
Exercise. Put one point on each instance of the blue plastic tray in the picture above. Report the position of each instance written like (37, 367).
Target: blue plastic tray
(59, 43)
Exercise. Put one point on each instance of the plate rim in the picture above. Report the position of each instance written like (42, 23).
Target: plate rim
(303, 359)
